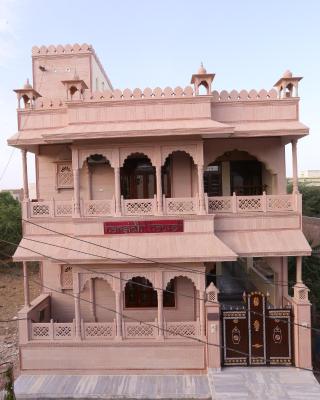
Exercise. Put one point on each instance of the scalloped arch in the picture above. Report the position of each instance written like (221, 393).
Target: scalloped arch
(244, 150)
(86, 277)
(168, 276)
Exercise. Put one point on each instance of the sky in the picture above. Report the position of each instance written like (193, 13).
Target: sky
(248, 44)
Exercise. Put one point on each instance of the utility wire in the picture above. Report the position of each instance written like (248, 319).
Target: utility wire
(206, 342)
(129, 280)
(172, 266)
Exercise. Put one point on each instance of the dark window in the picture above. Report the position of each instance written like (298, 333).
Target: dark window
(169, 298)
(212, 180)
(138, 179)
(246, 178)
(139, 293)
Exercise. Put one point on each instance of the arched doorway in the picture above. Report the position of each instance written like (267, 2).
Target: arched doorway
(236, 172)
(179, 175)
(101, 178)
(138, 180)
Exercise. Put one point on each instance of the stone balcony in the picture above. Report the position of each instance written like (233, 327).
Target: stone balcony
(284, 203)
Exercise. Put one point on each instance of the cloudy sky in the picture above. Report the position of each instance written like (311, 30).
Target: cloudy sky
(247, 43)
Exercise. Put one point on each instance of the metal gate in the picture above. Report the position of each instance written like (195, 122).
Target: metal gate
(257, 335)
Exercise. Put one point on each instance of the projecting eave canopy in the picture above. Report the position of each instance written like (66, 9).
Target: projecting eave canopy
(270, 243)
(115, 130)
(133, 248)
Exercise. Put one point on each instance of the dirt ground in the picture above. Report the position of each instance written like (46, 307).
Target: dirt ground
(11, 301)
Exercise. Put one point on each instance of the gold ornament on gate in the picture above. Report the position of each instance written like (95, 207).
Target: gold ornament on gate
(256, 301)
(256, 325)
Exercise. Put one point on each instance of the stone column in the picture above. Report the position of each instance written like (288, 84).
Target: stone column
(160, 313)
(26, 285)
(117, 190)
(302, 321)
(89, 182)
(76, 191)
(294, 166)
(213, 328)
(202, 209)
(25, 175)
(159, 189)
(77, 314)
(93, 298)
(118, 295)
(77, 311)
(202, 296)
(299, 269)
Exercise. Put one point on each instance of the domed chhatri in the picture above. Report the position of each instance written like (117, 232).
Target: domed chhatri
(202, 78)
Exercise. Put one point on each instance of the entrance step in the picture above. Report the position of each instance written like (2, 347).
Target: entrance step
(263, 383)
(112, 387)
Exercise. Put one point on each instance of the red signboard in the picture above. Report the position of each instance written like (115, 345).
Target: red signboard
(158, 226)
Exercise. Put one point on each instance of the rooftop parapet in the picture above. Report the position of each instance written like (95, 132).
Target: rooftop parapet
(158, 93)
(60, 49)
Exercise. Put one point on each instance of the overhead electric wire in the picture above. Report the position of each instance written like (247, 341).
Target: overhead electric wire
(206, 342)
(129, 280)
(172, 266)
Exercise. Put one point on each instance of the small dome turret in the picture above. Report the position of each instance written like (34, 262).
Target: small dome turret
(27, 85)
(287, 74)
(202, 70)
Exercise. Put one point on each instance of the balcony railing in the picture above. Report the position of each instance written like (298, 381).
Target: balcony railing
(170, 206)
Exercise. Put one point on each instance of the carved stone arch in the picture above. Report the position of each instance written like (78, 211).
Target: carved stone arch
(84, 278)
(168, 276)
(241, 148)
(126, 276)
(85, 153)
(191, 150)
(141, 151)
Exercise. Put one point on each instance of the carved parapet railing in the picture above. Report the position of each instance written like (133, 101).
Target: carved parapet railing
(98, 330)
(181, 205)
(50, 208)
(137, 330)
(96, 208)
(247, 204)
(40, 209)
(182, 329)
(139, 206)
(63, 208)
(52, 330)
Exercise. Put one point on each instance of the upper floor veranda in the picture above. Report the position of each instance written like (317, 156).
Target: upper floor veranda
(106, 152)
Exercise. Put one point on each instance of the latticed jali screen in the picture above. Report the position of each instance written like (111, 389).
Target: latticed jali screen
(64, 175)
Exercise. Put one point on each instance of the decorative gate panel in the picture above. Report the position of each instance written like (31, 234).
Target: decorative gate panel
(279, 337)
(235, 337)
(257, 335)
(257, 330)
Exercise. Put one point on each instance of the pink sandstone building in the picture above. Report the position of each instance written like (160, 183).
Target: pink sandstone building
(161, 223)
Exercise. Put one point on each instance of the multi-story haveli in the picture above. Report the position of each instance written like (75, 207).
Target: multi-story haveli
(140, 194)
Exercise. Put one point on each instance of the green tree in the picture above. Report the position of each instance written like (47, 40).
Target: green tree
(310, 199)
(10, 223)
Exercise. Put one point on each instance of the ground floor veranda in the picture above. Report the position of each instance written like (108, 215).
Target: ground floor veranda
(149, 319)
